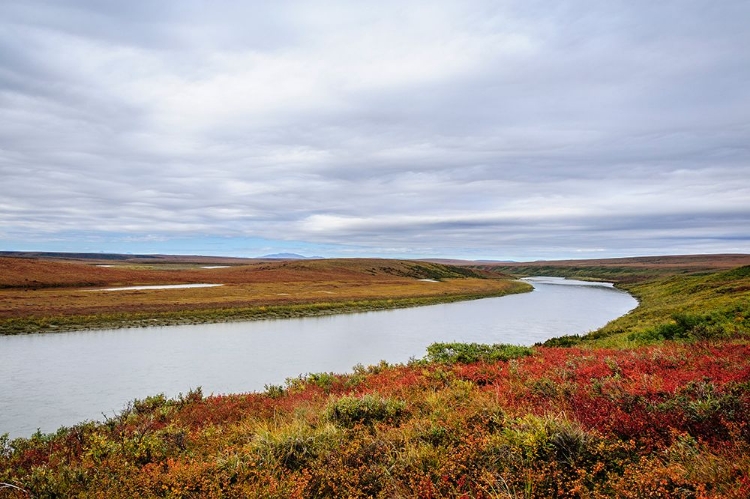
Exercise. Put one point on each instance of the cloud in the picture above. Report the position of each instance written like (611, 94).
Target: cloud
(446, 128)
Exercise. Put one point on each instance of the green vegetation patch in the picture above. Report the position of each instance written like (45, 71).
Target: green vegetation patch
(294, 445)
(432, 271)
(467, 353)
(693, 307)
(116, 320)
(366, 410)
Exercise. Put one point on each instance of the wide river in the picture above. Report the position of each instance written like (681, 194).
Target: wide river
(51, 380)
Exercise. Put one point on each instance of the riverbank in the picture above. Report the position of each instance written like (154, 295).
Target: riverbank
(700, 306)
(239, 314)
(39, 296)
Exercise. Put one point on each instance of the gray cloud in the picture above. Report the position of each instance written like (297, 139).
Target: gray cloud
(474, 129)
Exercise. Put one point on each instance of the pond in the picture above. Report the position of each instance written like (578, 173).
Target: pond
(51, 380)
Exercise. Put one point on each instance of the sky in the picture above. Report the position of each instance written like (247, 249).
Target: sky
(508, 130)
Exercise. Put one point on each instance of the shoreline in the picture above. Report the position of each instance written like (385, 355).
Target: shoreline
(79, 323)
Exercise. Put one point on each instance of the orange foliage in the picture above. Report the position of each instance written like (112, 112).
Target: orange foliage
(671, 420)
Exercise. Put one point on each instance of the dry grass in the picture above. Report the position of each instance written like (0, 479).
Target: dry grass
(32, 289)
(680, 262)
(622, 271)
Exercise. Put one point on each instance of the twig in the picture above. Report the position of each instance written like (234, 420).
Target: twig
(4, 485)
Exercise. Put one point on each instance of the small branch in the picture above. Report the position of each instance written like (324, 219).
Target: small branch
(4, 485)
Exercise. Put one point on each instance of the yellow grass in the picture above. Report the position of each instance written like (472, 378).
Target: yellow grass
(38, 295)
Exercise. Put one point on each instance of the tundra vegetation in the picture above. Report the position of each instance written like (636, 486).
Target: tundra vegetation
(655, 404)
(43, 295)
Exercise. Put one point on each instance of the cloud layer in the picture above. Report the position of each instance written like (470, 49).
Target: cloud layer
(514, 129)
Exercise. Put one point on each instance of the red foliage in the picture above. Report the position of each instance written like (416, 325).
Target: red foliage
(613, 417)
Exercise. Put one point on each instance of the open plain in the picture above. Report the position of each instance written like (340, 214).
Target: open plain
(40, 294)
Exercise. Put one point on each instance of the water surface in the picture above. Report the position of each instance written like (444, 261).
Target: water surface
(159, 286)
(49, 380)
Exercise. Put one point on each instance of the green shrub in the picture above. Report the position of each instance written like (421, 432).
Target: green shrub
(149, 405)
(684, 327)
(467, 353)
(325, 381)
(568, 340)
(366, 410)
(548, 438)
(322, 380)
(274, 391)
(294, 446)
(191, 397)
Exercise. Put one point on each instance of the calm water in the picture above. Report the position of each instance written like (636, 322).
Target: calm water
(65, 378)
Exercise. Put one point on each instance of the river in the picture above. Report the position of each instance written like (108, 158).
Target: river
(51, 380)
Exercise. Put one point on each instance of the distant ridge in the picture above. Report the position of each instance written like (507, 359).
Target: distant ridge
(126, 257)
(76, 256)
(290, 256)
(455, 261)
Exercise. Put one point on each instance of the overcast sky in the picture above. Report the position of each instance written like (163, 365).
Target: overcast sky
(468, 129)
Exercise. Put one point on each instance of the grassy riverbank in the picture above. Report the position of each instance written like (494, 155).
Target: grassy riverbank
(47, 296)
(656, 404)
(695, 297)
(61, 323)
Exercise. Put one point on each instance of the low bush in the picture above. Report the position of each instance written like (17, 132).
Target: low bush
(467, 353)
(367, 410)
(293, 446)
(683, 327)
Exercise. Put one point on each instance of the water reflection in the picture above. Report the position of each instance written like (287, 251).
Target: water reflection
(561, 281)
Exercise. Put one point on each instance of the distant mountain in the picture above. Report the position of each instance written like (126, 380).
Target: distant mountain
(291, 256)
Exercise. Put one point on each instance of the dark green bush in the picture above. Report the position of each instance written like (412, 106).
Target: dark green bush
(568, 340)
(148, 405)
(274, 391)
(467, 353)
(684, 327)
(367, 410)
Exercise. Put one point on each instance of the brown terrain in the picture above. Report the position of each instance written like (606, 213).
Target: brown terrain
(54, 292)
(50, 289)
(619, 270)
(692, 262)
(682, 262)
